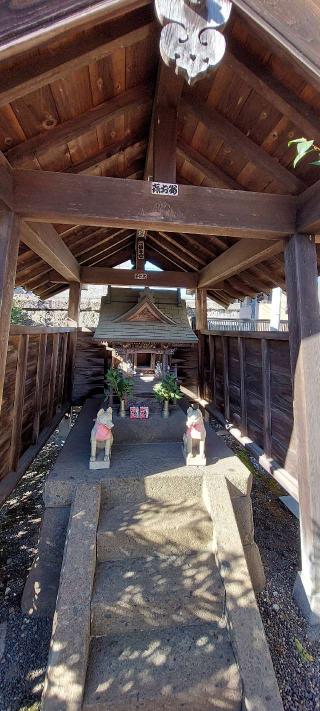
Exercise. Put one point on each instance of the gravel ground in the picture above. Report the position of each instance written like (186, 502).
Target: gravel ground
(24, 642)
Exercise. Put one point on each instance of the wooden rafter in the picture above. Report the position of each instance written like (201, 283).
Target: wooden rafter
(23, 154)
(35, 74)
(114, 149)
(42, 196)
(44, 241)
(212, 172)
(240, 256)
(308, 218)
(239, 142)
(126, 277)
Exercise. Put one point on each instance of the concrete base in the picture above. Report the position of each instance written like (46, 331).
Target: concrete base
(99, 464)
(307, 601)
(194, 460)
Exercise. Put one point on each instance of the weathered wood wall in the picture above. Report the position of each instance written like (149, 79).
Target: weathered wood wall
(36, 381)
(247, 378)
(91, 362)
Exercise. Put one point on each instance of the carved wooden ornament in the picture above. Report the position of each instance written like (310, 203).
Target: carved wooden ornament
(190, 41)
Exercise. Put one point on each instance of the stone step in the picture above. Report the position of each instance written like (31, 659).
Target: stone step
(135, 529)
(155, 592)
(189, 668)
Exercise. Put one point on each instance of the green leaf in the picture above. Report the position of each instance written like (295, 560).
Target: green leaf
(296, 140)
(303, 653)
(300, 156)
(315, 162)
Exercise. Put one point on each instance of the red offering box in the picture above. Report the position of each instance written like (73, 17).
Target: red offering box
(134, 413)
(144, 413)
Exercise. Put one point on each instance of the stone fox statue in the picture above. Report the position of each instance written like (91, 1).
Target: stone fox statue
(195, 435)
(101, 434)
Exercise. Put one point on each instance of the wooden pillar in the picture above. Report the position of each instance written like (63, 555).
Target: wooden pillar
(304, 339)
(201, 310)
(73, 322)
(9, 245)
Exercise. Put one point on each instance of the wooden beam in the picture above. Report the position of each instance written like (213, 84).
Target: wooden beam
(239, 142)
(304, 339)
(74, 304)
(201, 310)
(45, 242)
(272, 91)
(237, 258)
(165, 116)
(209, 170)
(9, 246)
(33, 28)
(114, 149)
(42, 196)
(308, 212)
(128, 277)
(35, 74)
(23, 154)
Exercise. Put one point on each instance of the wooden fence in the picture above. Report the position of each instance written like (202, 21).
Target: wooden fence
(247, 379)
(37, 386)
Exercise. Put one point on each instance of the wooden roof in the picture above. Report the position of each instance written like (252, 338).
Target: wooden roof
(78, 98)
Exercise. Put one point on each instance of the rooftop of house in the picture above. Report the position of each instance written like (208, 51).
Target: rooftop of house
(141, 315)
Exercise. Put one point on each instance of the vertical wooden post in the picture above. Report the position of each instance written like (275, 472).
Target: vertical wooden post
(53, 376)
(73, 321)
(266, 386)
(9, 245)
(17, 416)
(41, 364)
(201, 310)
(304, 339)
(243, 394)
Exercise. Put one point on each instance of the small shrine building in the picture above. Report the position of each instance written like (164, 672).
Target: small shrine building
(144, 327)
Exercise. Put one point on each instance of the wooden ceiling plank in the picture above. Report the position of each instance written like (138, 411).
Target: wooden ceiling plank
(115, 149)
(108, 249)
(127, 277)
(39, 72)
(171, 247)
(239, 142)
(165, 255)
(42, 196)
(271, 90)
(209, 170)
(69, 130)
(237, 258)
(45, 242)
(193, 255)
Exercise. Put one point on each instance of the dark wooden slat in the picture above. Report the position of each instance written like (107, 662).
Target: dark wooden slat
(89, 200)
(304, 338)
(266, 386)
(239, 142)
(212, 368)
(17, 415)
(201, 310)
(62, 368)
(73, 320)
(69, 130)
(226, 378)
(237, 258)
(44, 241)
(34, 74)
(243, 393)
(39, 386)
(9, 246)
(53, 376)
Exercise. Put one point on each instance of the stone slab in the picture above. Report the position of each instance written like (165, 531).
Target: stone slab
(154, 592)
(261, 692)
(177, 527)
(41, 588)
(169, 670)
(99, 464)
(68, 655)
(139, 471)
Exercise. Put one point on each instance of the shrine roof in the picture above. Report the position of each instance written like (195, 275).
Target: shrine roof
(140, 315)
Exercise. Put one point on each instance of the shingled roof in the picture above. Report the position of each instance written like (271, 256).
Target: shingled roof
(141, 315)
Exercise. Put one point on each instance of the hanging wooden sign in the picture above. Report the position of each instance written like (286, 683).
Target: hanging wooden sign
(190, 41)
